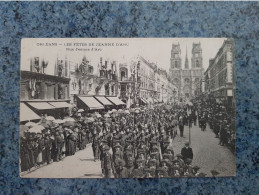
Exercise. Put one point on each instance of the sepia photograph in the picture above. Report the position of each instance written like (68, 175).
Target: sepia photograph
(127, 107)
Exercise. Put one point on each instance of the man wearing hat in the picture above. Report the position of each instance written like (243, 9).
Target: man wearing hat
(139, 171)
(103, 146)
(181, 125)
(107, 162)
(166, 166)
(118, 150)
(153, 159)
(153, 164)
(223, 133)
(164, 143)
(121, 171)
(142, 148)
(141, 156)
(155, 149)
(176, 169)
(161, 173)
(129, 162)
(186, 152)
(170, 152)
(149, 173)
(95, 145)
(47, 148)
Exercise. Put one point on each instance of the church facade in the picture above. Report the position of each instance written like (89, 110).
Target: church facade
(185, 77)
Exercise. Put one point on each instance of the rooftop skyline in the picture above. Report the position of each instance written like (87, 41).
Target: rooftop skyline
(154, 50)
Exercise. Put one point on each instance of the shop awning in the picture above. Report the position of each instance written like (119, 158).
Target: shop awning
(41, 105)
(60, 104)
(143, 100)
(116, 101)
(104, 100)
(26, 114)
(91, 103)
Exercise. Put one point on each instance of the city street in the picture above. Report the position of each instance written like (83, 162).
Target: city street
(208, 155)
(80, 165)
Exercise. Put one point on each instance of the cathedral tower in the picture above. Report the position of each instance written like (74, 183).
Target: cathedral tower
(176, 65)
(176, 61)
(197, 68)
(187, 79)
(196, 55)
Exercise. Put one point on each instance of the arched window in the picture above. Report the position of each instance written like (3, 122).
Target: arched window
(123, 75)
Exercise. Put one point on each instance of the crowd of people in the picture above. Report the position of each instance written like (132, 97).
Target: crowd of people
(130, 143)
(220, 118)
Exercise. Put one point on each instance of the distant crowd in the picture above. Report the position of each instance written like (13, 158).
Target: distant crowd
(133, 143)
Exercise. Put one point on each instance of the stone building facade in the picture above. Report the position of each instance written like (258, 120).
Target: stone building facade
(186, 78)
(220, 75)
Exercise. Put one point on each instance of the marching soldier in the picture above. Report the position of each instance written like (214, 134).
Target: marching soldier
(103, 146)
(95, 145)
(121, 171)
(139, 171)
(107, 162)
(153, 159)
(129, 162)
(142, 148)
(118, 150)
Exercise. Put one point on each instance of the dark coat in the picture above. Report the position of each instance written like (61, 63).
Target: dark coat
(187, 153)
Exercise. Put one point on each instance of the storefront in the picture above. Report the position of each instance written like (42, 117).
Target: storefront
(44, 94)
(26, 114)
(88, 103)
(105, 102)
(56, 109)
(116, 101)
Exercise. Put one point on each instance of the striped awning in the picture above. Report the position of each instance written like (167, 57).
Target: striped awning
(26, 114)
(60, 104)
(143, 100)
(116, 101)
(91, 102)
(41, 105)
(104, 100)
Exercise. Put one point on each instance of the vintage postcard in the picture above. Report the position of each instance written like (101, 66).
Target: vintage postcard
(127, 107)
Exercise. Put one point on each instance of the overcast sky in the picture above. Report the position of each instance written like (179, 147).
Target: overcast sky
(157, 50)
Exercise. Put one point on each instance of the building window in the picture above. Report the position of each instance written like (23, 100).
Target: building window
(90, 69)
(197, 64)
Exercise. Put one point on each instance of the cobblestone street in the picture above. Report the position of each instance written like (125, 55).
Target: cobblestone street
(208, 155)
